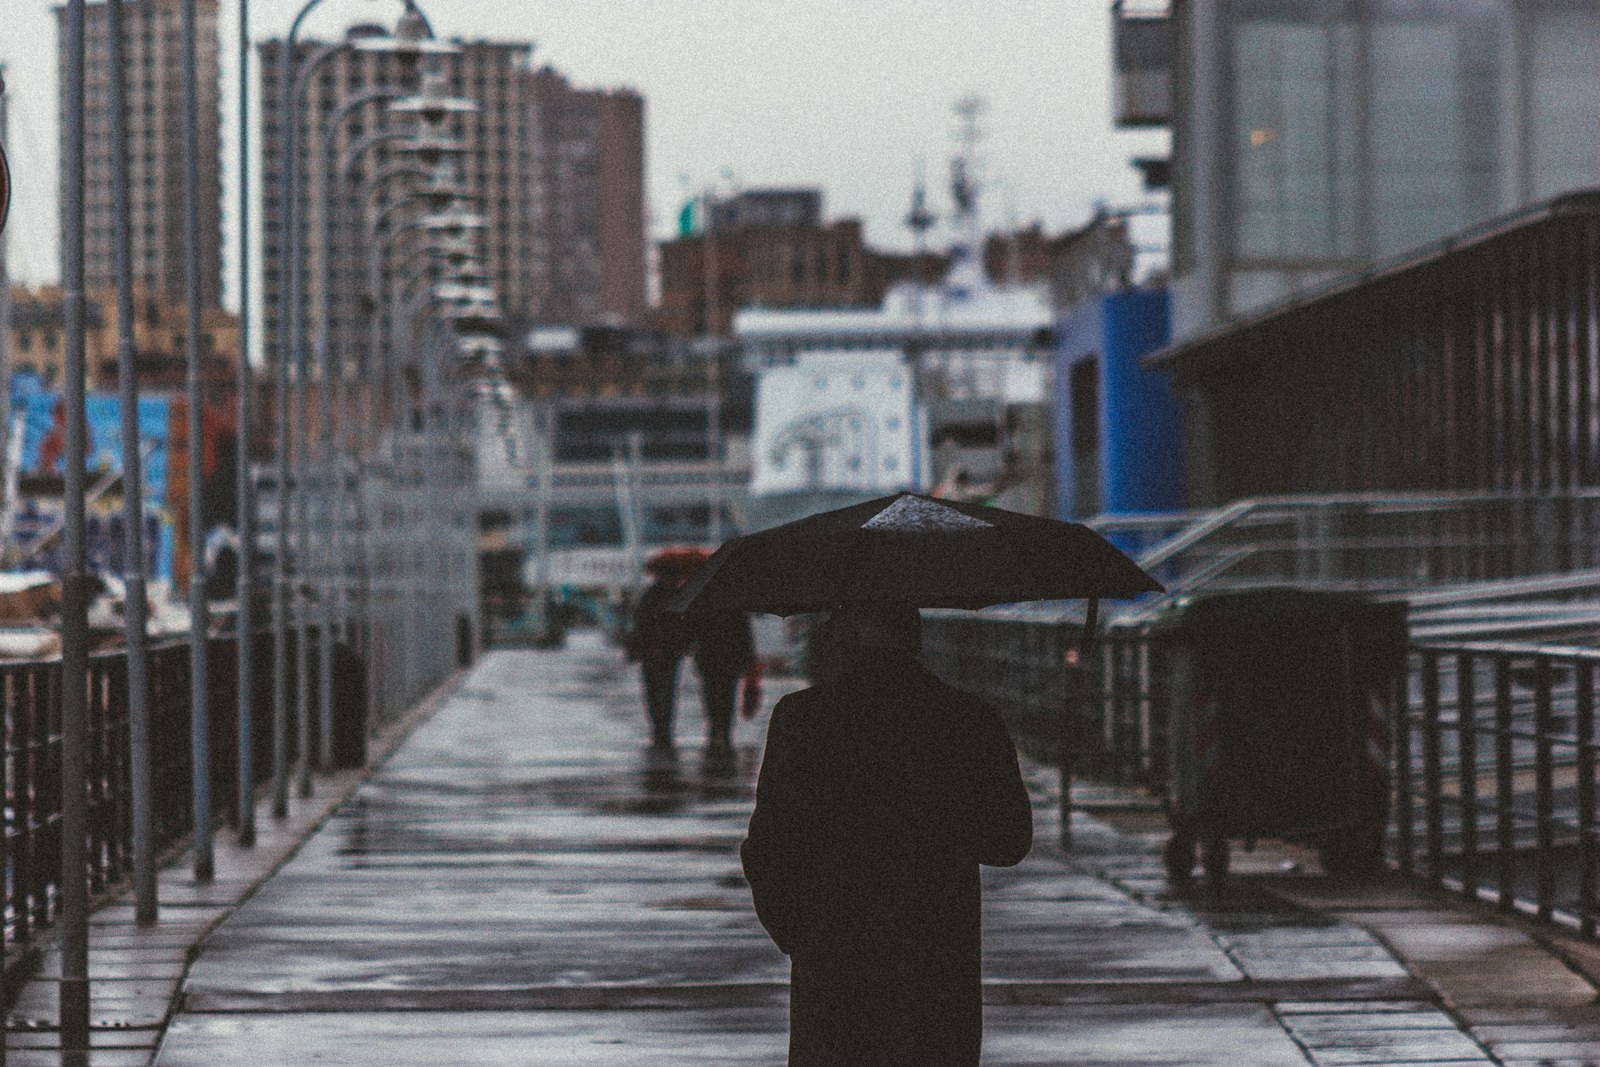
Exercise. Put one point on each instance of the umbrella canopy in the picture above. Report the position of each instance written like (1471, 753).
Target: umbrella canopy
(915, 550)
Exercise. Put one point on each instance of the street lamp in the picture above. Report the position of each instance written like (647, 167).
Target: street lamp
(432, 106)
(331, 395)
(401, 612)
(439, 447)
(448, 226)
(441, 189)
(411, 41)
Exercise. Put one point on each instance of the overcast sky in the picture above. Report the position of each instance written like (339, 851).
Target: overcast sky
(841, 94)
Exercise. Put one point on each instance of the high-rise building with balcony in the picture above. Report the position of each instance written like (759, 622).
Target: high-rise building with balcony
(154, 85)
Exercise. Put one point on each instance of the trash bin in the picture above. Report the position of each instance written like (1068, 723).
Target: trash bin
(1278, 712)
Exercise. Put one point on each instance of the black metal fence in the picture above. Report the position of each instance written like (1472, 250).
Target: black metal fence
(1100, 712)
(1495, 776)
(1493, 747)
(30, 695)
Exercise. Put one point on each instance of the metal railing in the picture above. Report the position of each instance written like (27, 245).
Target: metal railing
(1494, 745)
(1103, 714)
(1495, 775)
(31, 769)
(1095, 717)
(1366, 541)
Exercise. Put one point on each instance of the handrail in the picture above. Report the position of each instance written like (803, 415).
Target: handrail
(1510, 648)
(1219, 519)
(1477, 592)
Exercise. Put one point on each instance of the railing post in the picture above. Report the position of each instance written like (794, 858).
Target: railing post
(1544, 801)
(1583, 729)
(1467, 744)
(1505, 786)
(1432, 775)
(1404, 789)
(1141, 692)
(1074, 692)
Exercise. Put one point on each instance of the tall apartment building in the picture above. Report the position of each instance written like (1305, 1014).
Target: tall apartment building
(557, 172)
(154, 85)
(589, 221)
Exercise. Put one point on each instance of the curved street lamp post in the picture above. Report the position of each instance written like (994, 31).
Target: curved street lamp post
(410, 42)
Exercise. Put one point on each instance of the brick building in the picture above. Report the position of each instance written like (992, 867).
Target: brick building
(37, 342)
(771, 248)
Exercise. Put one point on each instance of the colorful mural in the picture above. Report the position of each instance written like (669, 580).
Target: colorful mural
(162, 420)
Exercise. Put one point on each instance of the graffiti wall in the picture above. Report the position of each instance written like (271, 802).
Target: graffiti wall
(39, 415)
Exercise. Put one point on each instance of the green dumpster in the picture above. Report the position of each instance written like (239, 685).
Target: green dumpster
(1278, 705)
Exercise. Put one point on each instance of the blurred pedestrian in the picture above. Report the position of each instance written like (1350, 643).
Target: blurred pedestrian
(724, 652)
(657, 643)
(881, 791)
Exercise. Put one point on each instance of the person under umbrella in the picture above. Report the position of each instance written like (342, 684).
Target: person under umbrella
(881, 792)
(882, 789)
(724, 651)
(657, 640)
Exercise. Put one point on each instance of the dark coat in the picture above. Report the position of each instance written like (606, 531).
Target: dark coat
(880, 794)
(657, 635)
(723, 644)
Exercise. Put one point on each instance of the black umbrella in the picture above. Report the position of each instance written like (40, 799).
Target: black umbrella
(915, 550)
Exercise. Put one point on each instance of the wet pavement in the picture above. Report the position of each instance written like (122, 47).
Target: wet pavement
(523, 882)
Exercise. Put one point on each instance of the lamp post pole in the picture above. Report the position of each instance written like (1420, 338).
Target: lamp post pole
(74, 915)
(713, 369)
(199, 623)
(374, 547)
(413, 396)
(5, 314)
(288, 180)
(410, 41)
(133, 568)
(387, 687)
(302, 466)
(245, 797)
(334, 454)
(371, 595)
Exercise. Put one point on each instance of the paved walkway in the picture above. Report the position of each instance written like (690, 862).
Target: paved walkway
(523, 883)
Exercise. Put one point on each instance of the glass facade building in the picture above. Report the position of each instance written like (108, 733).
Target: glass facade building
(1313, 138)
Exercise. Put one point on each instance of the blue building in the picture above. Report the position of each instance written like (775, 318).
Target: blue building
(1118, 436)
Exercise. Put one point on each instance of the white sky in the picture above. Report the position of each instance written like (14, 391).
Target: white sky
(841, 94)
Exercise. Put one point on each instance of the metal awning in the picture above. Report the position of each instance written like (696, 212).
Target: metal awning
(1215, 344)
